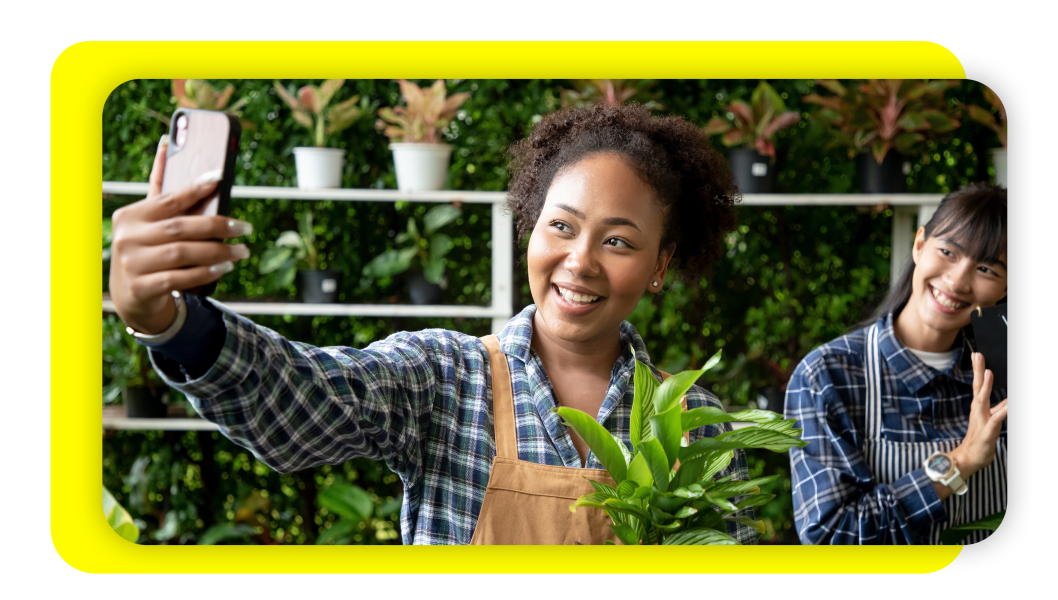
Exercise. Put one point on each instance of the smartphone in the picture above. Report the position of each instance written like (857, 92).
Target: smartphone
(990, 337)
(201, 141)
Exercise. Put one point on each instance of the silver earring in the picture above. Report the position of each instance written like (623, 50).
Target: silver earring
(655, 284)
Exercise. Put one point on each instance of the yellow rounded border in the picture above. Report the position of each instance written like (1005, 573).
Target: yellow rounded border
(85, 74)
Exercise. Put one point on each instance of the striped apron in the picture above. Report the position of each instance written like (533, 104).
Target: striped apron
(890, 461)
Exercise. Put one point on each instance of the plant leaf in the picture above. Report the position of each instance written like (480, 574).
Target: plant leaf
(342, 528)
(223, 531)
(716, 126)
(754, 500)
(666, 428)
(439, 216)
(273, 258)
(639, 471)
(118, 518)
(433, 270)
(750, 522)
(626, 534)
(699, 537)
(654, 453)
(644, 386)
(738, 488)
(347, 500)
(672, 389)
(955, 534)
(626, 489)
(708, 415)
(755, 437)
(388, 263)
(440, 245)
(598, 439)
(305, 228)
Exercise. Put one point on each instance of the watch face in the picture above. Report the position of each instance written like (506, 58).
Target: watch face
(938, 465)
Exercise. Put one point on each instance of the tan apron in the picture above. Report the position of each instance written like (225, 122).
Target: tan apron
(528, 503)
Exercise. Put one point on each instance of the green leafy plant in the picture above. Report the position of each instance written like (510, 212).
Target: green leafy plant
(996, 122)
(125, 361)
(311, 111)
(756, 123)
(293, 250)
(118, 518)
(425, 250)
(352, 504)
(957, 533)
(883, 114)
(426, 114)
(666, 491)
(196, 93)
(612, 92)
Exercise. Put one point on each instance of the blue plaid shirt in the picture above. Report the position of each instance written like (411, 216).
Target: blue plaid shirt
(420, 401)
(836, 498)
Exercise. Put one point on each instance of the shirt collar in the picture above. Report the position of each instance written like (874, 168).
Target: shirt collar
(909, 368)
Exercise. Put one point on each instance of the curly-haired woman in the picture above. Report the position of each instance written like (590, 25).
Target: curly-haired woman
(611, 199)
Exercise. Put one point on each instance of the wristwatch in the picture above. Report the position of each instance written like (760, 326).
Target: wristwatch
(941, 467)
(173, 329)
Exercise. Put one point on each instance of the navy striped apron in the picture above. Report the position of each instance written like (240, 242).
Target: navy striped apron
(890, 461)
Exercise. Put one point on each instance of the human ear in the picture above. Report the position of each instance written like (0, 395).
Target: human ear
(657, 279)
(920, 240)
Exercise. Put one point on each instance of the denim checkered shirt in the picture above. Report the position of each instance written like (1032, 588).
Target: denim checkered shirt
(420, 401)
(836, 498)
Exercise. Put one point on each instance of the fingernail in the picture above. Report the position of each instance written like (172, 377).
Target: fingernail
(240, 251)
(240, 227)
(209, 177)
(164, 139)
(224, 267)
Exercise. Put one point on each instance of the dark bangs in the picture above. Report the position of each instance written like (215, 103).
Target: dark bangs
(974, 217)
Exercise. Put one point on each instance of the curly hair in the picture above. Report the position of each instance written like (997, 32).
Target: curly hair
(692, 181)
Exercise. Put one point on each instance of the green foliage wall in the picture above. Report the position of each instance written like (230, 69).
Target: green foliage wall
(792, 278)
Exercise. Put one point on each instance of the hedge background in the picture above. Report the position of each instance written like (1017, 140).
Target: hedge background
(793, 278)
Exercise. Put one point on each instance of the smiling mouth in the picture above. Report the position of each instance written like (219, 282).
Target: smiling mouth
(947, 301)
(577, 299)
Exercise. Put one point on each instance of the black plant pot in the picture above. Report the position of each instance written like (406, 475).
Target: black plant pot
(421, 291)
(320, 287)
(886, 178)
(140, 403)
(754, 172)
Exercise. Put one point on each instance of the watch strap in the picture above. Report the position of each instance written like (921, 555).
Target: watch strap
(171, 331)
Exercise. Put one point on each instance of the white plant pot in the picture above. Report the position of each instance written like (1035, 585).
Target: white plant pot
(999, 160)
(421, 167)
(319, 167)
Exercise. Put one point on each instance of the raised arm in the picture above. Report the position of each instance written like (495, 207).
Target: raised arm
(836, 498)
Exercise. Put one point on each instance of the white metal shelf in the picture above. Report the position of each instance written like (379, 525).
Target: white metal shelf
(114, 418)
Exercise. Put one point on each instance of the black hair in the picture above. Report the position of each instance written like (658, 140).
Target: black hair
(976, 217)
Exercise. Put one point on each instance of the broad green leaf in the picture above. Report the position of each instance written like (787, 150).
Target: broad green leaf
(755, 500)
(342, 528)
(224, 531)
(672, 389)
(755, 524)
(626, 489)
(913, 121)
(716, 462)
(639, 471)
(754, 437)
(708, 415)
(654, 454)
(690, 472)
(784, 425)
(666, 428)
(699, 537)
(626, 534)
(413, 229)
(737, 488)
(642, 403)
(347, 500)
(118, 518)
(705, 446)
(273, 258)
(439, 216)
(433, 270)
(440, 245)
(723, 503)
(956, 534)
(671, 527)
(692, 491)
(389, 262)
(603, 488)
(598, 439)
(285, 275)
(305, 227)
(616, 505)
(685, 511)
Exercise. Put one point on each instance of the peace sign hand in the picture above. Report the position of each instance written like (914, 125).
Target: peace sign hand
(978, 447)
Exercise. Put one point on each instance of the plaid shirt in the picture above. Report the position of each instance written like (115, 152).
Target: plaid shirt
(420, 401)
(836, 498)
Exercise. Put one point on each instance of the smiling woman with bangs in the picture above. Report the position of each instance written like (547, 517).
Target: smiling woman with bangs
(613, 201)
(906, 435)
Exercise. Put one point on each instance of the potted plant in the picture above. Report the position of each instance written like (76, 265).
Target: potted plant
(295, 251)
(318, 166)
(998, 123)
(612, 92)
(666, 492)
(128, 374)
(198, 93)
(424, 255)
(883, 119)
(753, 126)
(421, 160)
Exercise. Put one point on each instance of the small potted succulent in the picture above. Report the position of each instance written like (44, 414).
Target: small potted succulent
(295, 251)
(753, 126)
(319, 166)
(883, 120)
(997, 122)
(128, 374)
(420, 159)
(666, 492)
(423, 255)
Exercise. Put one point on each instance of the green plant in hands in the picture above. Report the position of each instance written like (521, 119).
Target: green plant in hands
(883, 114)
(756, 123)
(310, 108)
(425, 250)
(428, 112)
(293, 250)
(118, 518)
(125, 361)
(658, 501)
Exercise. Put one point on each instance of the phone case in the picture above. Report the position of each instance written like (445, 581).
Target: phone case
(211, 142)
(990, 337)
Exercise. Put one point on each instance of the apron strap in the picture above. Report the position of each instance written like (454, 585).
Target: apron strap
(502, 400)
(873, 374)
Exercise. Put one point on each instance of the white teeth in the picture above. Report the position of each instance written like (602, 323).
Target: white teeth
(944, 301)
(568, 295)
